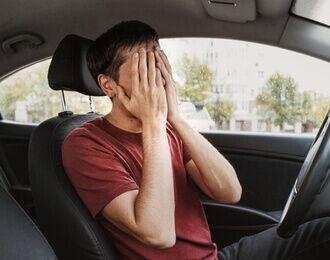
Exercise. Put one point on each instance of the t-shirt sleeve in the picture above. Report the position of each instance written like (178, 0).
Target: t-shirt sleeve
(96, 173)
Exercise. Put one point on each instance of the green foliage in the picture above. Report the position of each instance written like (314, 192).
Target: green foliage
(279, 102)
(306, 102)
(30, 86)
(221, 111)
(80, 103)
(197, 80)
(322, 106)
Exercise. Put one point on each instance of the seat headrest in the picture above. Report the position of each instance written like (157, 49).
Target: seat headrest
(68, 69)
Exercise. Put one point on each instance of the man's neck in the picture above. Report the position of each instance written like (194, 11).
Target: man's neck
(123, 120)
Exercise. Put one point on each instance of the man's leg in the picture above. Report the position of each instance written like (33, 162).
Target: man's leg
(311, 241)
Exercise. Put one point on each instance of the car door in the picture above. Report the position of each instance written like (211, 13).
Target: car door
(14, 142)
(24, 103)
(267, 166)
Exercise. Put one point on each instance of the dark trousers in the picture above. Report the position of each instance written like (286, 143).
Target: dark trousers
(311, 241)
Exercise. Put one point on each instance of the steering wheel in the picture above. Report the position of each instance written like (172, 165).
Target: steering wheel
(311, 183)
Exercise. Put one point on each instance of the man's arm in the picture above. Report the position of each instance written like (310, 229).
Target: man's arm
(148, 214)
(208, 168)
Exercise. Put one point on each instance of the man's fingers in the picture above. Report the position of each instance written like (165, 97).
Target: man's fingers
(163, 70)
(159, 78)
(122, 96)
(151, 68)
(165, 60)
(143, 67)
(135, 72)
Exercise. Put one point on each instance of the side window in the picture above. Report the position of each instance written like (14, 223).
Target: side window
(244, 86)
(26, 97)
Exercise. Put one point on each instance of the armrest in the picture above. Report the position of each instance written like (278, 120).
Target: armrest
(220, 215)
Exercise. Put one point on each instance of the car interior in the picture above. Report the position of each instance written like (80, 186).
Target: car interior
(42, 217)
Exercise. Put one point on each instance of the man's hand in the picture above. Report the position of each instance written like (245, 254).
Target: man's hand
(170, 88)
(148, 99)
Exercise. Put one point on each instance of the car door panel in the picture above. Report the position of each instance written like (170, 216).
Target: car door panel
(267, 166)
(14, 142)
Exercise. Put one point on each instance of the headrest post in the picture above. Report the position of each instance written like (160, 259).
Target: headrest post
(91, 104)
(64, 106)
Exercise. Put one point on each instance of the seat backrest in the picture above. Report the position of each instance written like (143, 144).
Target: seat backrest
(20, 239)
(3, 180)
(64, 219)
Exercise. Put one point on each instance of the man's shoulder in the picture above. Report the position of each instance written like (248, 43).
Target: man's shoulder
(87, 131)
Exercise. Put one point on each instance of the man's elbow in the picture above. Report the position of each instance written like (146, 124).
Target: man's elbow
(160, 240)
(232, 195)
(235, 190)
(236, 194)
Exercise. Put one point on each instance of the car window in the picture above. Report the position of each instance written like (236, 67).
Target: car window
(243, 86)
(222, 85)
(26, 97)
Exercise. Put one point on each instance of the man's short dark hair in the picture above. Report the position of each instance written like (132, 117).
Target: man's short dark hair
(104, 55)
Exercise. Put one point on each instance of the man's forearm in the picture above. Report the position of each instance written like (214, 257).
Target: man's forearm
(216, 172)
(154, 207)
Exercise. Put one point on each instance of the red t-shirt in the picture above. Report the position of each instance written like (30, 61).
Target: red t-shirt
(103, 161)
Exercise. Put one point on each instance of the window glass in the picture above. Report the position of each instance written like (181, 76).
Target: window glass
(247, 86)
(222, 85)
(26, 97)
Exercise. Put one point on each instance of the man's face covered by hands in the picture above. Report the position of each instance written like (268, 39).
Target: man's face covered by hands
(125, 70)
(146, 76)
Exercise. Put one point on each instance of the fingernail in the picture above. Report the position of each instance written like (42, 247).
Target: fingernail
(135, 55)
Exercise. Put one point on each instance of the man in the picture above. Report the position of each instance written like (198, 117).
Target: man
(138, 169)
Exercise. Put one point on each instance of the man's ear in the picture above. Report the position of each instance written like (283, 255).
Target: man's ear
(107, 84)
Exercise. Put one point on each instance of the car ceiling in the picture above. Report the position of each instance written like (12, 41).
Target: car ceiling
(52, 20)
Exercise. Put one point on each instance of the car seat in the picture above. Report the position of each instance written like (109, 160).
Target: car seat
(20, 239)
(64, 219)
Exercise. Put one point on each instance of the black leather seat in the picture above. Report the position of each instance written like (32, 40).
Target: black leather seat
(20, 239)
(61, 215)
(3, 180)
